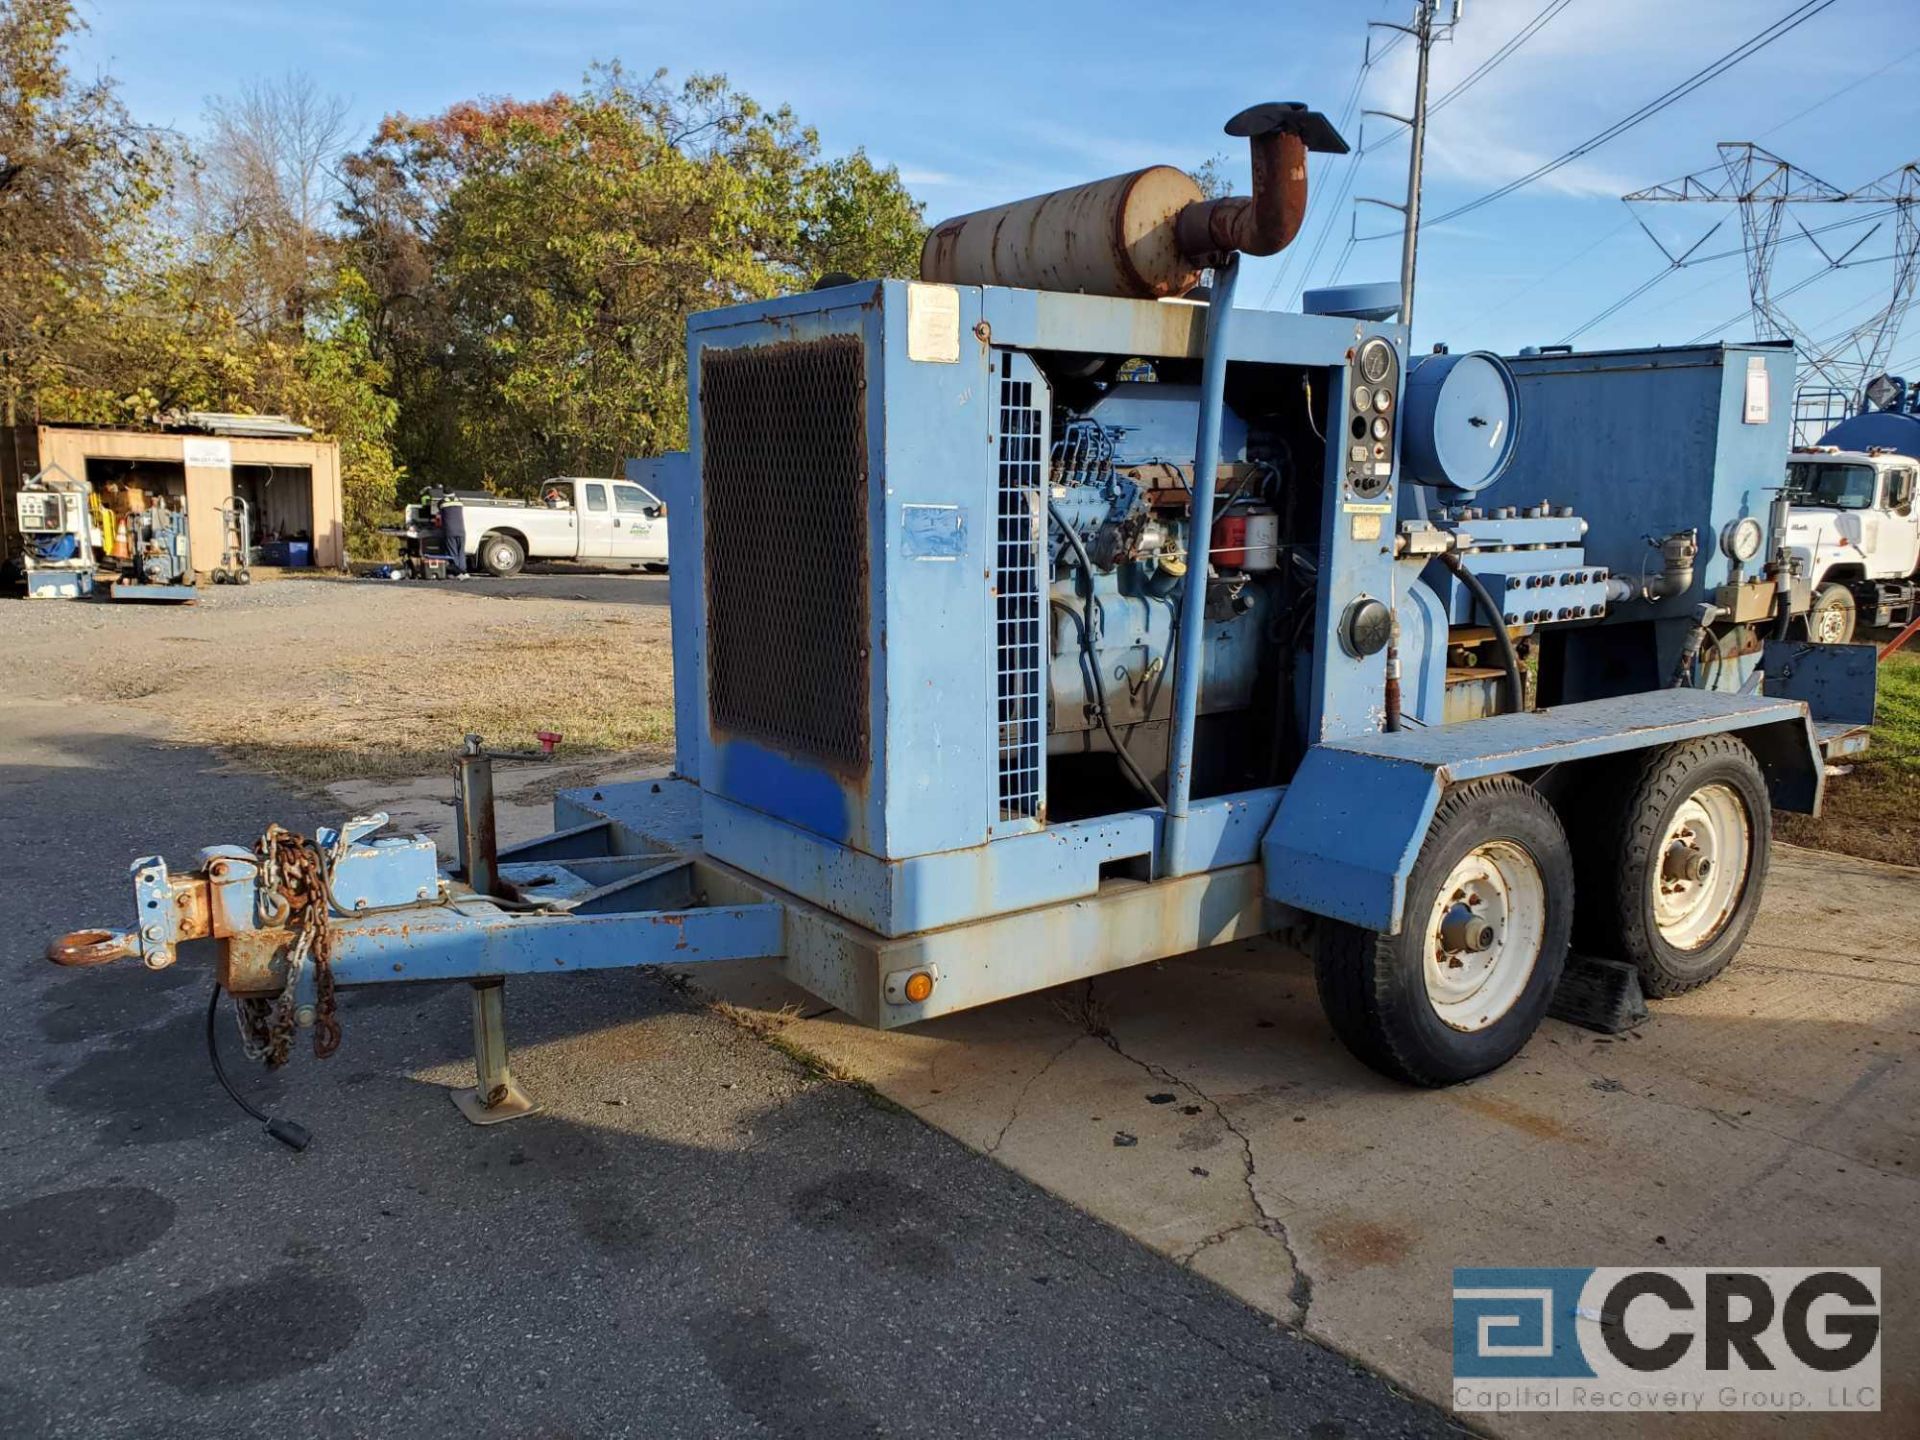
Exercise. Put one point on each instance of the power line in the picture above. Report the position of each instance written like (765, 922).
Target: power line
(1688, 259)
(1785, 25)
(1539, 280)
(1368, 59)
(1494, 61)
(1846, 89)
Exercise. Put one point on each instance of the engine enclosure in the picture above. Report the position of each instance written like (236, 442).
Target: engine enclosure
(875, 736)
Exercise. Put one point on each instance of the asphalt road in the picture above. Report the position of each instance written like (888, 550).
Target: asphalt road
(698, 1237)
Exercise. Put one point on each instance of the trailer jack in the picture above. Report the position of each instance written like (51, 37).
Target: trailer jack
(371, 908)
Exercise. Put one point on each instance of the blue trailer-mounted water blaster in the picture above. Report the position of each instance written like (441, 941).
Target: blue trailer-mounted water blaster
(1047, 616)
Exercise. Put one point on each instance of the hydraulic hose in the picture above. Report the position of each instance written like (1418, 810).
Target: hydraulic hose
(1516, 684)
(1090, 667)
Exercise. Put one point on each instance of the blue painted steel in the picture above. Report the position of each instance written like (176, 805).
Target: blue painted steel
(1351, 824)
(671, 477)
(1424, 623)
(1461, 415)
(375, 872)
(174, 594)
(1647, 443)
(479, 940)
(928, 424)
(924, 892)
(1348, 832)
(1375, 300)
(1838, 682)
(1156, 422)
(1190, 658)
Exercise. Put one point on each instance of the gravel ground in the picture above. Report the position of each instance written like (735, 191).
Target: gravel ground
(698, 1237)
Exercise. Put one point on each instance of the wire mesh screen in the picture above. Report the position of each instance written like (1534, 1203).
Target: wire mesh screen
(784, 473)
(1019, 603)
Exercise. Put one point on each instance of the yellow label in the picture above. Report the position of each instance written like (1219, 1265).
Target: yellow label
(1366, 527)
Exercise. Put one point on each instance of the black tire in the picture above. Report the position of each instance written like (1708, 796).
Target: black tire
(1834, 613)
(1373, 986)
(1618, 921)
(501, 555)
(243, 577)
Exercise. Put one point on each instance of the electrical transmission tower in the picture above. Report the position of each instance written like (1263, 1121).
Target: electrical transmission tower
(1768, 192)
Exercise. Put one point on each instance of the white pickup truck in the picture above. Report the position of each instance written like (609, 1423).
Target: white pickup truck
(1854, 531)
(575, 518)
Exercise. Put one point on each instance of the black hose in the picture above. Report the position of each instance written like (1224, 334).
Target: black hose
(1090, 666)
(1516, 685)
(288, 1132)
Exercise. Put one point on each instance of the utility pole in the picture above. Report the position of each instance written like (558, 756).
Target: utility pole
(1425, 29)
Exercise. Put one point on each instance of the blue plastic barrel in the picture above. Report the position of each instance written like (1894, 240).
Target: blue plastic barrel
(1459, 418)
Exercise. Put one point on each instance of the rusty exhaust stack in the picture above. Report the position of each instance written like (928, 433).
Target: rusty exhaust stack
(1142, 235)
(1279, 134)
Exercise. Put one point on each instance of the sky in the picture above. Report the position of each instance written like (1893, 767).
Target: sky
(982, 103)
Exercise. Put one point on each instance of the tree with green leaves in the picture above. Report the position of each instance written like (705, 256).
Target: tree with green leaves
(78, 182)
(534, 263)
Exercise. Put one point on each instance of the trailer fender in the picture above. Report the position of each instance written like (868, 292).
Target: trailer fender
(1351, 824)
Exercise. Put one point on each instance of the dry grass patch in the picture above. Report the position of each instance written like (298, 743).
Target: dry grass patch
(323, 712)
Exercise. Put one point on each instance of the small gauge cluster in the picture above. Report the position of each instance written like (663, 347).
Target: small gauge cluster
(1369, 427)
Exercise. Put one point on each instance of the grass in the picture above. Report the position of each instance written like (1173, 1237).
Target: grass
(371, 708)
(1874, 811)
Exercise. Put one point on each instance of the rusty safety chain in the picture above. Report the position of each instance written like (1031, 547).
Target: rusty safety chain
(293, 890)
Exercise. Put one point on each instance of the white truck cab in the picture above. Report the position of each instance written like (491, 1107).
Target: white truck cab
(576, 518)
(1854, 533)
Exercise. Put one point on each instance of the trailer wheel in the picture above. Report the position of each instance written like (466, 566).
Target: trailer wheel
(1690, 843)
(1832, 617)
(1466, 982)
(501, 556)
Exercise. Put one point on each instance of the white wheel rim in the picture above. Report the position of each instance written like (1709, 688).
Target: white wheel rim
(1700, 870)
(1833, 625)
(1484, 935)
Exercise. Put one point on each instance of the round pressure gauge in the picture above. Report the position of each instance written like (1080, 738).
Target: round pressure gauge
(1362, 397)
(1740, 539)
(1380, 427)
(1376, 361)
(1383, 400)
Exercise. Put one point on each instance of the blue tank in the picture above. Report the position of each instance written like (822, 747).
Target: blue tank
(1888, 429)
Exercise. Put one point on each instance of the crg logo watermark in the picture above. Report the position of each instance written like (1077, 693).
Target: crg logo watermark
(1774, 1338)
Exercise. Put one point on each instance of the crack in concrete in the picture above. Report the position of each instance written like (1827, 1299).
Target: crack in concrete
(1020, 1098)
(1300, 1293)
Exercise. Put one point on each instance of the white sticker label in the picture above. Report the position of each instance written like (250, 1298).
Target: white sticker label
(1758, 398)
(933, 323)
(207, 454)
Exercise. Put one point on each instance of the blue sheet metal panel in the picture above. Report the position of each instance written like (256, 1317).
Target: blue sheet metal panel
(934, 616)
(1347, 833)
(781, 785)
(924, 892)
(1502, 744)
(1838, 682)
(1226, 830)
(671, 477)
(645, 816)
(1356, 562)
(1649, 442)
(1423, 645)
(1099, 325)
